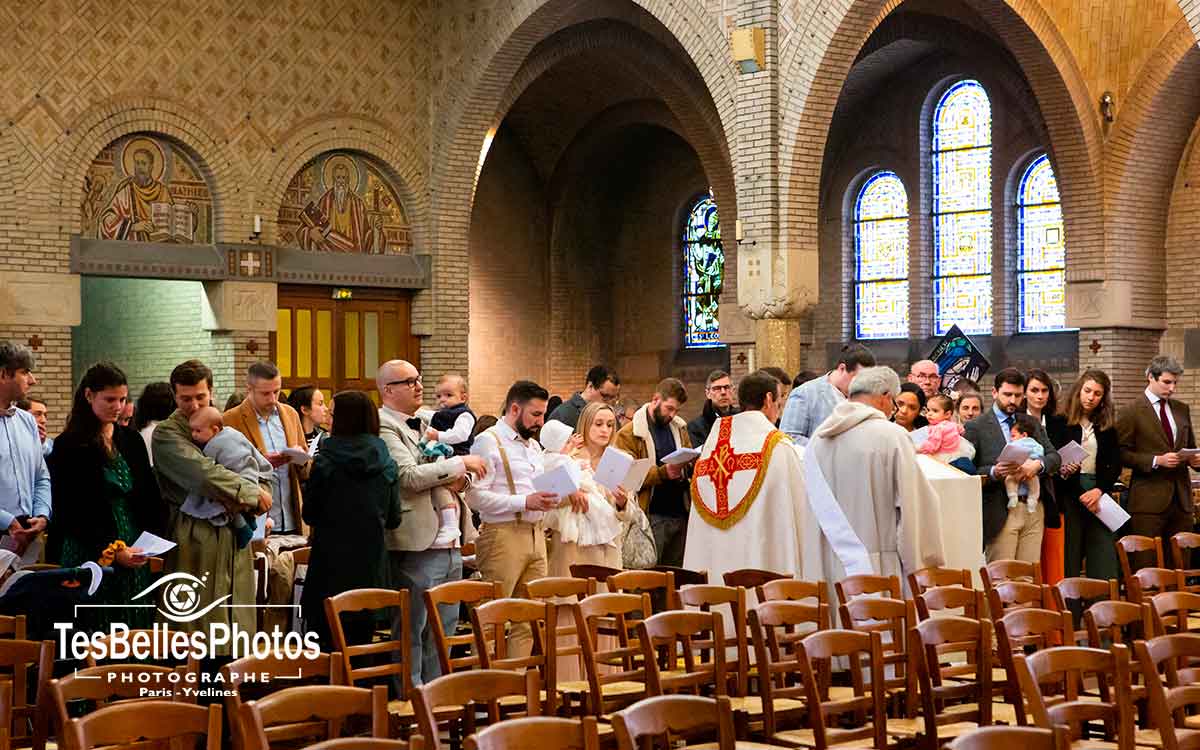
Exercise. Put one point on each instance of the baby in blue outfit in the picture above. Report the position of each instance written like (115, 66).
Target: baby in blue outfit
(1022, 431)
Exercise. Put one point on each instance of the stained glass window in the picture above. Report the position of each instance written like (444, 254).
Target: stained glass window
(881, 258)
(703, 274)
(1041, 251)
(962, 209)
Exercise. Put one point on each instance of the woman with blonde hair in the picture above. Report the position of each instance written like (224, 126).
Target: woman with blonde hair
(592, 536)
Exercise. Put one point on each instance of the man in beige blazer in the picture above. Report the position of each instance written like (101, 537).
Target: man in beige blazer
(426, 549)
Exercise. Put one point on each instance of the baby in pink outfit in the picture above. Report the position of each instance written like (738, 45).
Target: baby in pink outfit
(944, 439)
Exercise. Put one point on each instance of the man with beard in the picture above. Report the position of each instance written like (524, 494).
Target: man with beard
(511, 547)
(718, 402)
(338, 221)
(129, 215)
(656, 432)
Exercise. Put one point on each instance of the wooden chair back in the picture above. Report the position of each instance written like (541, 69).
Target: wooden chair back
(270, 674)
(126, 723)
(1117, 622)
(538, 732)
(1131, 544)
(777, 628)
(670, 715)
(827, 716)
(386, 658)
(12, 626)
(941, 598)
(616, 616)
(859, 585)
(470, 690)
(942, 686)
(312, 712)
(598, 573)
(467, 593)
(683, 576)
(1010, 570)
(561, 588)
(1147, 582)
(109, 684)
(697, 635)
(892, 619)
(415, 742)
(1021, 628)
(659, 584)
(1172, 611)
(1182, 558)
(752, 579)
(19, 661)
(1009, 596)
(1006, 738)
(1171, 696)
(927, 578)
(790, 589)
(1075, 594)
(708, 598)
(490, 621)
(1066, 667)
(567, 642)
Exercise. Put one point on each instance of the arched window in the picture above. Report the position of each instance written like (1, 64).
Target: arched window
(962, 209)
(1041, 251)
(881, 258)
(703, 272)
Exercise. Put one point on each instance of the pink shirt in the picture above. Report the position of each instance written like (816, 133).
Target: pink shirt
(942, 437)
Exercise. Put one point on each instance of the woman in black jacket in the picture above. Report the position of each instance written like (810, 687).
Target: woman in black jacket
(352, 497)
(1089, 420)
(1041, 403)
(104, 492)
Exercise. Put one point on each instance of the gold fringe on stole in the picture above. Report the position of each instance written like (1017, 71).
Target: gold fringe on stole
(740, 510)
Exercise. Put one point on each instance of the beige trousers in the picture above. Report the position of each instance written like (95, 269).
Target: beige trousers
(512, 553)
(1021, 537)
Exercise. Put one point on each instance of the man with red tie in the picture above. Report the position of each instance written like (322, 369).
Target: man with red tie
(1153, 429)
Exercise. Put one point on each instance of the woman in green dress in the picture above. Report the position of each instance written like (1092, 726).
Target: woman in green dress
(104, 491)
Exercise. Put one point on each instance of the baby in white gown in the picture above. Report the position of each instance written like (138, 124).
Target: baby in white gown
(599, 525)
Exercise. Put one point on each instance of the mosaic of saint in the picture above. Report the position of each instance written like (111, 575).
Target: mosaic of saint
(142, 188)
(341, 203)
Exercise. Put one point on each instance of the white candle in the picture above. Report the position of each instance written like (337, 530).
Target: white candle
(257, 224)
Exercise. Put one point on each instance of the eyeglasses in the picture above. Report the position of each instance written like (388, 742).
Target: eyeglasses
(720, 388)
(926, 375)
(409, 382)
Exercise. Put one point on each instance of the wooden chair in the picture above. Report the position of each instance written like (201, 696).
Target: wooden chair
(567, 642)
(1007, 738)
(598, 573)
(1066, 667)
(706, 598)
(1009, 596)
(683, 576)
(940, 598)
(616, 676)
(860, 585)
(699, 634)
(538, 732)
(18, 658)
(461, 692)
(892, 619)
(775, 629)
(560, 588)
(313, 711)
(6, 717)
(1182, 545)
(126, 723)
(270, 674)
(109, 684)
(660, 585)
(467, 593)
(1147, 582)
(415, 742)
(670, 715)
(1136, 544)
(1170, 697)
(790, 589)
(951, 707)
(828, 718)
(927, 578)
(389, 658)
(752, 579)
(1173, 611)
(1117, 622)
(12, 626)
(490, 620)
(1075, 594)
(1033, 627)
(1010, 570)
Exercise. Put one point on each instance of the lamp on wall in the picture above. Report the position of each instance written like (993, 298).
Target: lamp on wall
(738, 235)
(749, 47)
(1108, 106)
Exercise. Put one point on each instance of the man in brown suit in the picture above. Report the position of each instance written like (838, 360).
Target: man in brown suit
(1153, 429)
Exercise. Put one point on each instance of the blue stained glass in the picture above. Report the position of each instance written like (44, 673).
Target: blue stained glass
(703, 274)
(1041, 251)
(881, 258)
(962, 207)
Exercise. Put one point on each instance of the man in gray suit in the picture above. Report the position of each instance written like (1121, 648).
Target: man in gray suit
(1009, 533)
(426, 550)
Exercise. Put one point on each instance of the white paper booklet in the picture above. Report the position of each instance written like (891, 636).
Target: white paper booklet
(153, 546)
(681, 456)
(1072, 453)
(563, 480)
(296, 455)
(1013, 454)
(619, 469)
(1111, 514)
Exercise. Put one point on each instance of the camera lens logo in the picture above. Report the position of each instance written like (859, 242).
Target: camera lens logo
(181, 597)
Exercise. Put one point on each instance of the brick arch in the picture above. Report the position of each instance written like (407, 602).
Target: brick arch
(697, 120)
(811, 86)
(121, 116)
(398, 158)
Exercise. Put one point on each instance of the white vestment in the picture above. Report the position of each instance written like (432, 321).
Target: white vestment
(870, 466)
(755, 522)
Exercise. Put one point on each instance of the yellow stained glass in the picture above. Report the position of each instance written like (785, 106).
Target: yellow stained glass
(324, 343)
(370, 342)
(304, 343)
(283, 341)
(352, 371)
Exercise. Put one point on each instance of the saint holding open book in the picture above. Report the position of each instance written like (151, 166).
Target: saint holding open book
(142, 208)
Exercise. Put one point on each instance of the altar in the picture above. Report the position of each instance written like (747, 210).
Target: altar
(961, 499)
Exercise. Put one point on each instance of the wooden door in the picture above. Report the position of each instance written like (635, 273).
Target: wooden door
(339, 344)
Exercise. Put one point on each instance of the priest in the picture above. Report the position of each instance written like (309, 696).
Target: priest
(876, 511)
(747, 489)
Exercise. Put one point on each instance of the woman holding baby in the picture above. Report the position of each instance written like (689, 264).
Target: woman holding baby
(105, 496)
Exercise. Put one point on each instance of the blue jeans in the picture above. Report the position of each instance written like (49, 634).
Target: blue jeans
(418, 572)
